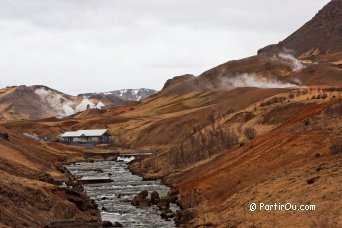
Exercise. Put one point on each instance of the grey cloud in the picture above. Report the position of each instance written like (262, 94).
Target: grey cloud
(97, 45)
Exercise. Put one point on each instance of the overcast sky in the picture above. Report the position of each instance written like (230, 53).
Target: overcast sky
(78, 46)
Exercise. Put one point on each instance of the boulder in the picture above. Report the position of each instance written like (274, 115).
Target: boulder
(107, 224)
(110, 224)
(143, 194)
(184, 216)
(155, 198)
(167, 214)
(117, 224)
(141, 199)
(163, 215)
(164, 203)
(173, 195)
(135, 201)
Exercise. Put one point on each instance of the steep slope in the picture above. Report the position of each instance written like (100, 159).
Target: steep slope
(323, 33)
(263, 71)
(296, 163)
(30, 186)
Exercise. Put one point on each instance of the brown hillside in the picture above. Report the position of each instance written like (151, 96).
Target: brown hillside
(276, 167)
(38, 102)
(30, 183)
(323, 33)
(260, 129)
(188, 130)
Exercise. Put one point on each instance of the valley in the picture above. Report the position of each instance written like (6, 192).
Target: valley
(262, 129)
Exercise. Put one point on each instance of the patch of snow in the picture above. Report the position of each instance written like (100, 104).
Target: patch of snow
(135, 92)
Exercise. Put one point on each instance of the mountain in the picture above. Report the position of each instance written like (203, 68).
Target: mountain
(37, 102)
(263, 129)
(322, 34)
(123, 94)
(310, 56)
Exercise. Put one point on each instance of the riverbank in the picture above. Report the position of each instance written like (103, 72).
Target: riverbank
(185, 214)
(114, 198)
(31, 184)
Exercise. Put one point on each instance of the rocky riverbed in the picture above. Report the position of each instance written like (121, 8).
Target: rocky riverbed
(113, 186)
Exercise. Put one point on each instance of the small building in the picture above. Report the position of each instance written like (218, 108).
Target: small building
(86, 136)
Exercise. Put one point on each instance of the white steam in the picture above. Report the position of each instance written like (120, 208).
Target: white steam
(63, 106)
(100, 105)
(68, 108)
(59, 104)
(288, 58)
(250, 80)
(84, 105)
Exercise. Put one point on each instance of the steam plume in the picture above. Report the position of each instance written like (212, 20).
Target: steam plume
(250, 80)
(290, 60)
(63, 106)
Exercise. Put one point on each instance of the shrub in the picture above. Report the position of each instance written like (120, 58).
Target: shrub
(202, 144)
(336, 149)
(306, 122)
(273, 101)
(304, 92)
(249, 133)
(4, 136)
(248, 116)
(334, 110)
(324, 96)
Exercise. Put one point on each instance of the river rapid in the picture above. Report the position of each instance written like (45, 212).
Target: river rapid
(113, 186)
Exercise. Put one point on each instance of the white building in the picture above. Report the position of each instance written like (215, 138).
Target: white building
(86, 136)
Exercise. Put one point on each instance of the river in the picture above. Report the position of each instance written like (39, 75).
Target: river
(117, 188)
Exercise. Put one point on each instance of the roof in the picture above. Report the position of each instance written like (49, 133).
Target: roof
(95, 132)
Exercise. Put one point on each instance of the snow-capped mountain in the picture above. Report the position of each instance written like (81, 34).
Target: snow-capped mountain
(123, 94)
(37, 102)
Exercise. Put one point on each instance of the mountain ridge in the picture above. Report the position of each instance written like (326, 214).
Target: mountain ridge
(125, 94)
(39, 101)
(266, 128)
(321, 34)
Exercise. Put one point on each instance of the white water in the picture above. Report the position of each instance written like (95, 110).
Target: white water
(125, 159)
(114, 199)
